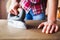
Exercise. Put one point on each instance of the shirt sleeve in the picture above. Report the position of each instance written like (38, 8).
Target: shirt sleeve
(25, 5)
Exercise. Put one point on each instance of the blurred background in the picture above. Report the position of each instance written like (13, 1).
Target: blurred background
(3, 13)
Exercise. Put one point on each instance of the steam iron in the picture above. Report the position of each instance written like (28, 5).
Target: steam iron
(17, 21)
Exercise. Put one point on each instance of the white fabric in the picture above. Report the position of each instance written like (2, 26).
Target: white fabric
(17, 24)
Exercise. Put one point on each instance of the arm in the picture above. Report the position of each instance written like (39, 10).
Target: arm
(52, 10)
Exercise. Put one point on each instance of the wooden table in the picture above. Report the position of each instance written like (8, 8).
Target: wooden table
(10, 33)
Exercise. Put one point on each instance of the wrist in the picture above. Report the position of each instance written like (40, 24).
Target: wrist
(52, 21)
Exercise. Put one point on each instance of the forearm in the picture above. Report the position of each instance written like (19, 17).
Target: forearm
(52, 10)
(16, 1)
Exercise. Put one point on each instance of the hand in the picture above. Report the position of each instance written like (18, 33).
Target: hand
(13, 9)
(48, 27)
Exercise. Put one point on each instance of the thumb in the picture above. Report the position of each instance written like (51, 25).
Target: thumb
(41, 25)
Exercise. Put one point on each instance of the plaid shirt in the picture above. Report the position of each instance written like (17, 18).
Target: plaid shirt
(32, 4)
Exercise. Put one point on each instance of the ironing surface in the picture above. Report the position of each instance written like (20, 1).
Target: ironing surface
(12, 33)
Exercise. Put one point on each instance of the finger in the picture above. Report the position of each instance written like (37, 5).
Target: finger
(42, 24)
(44, 28)
(12, 12)
(52, 29)
(48, 29)
(56, 28)
(15, 11)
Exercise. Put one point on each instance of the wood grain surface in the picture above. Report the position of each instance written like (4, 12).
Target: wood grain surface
(32, 33)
